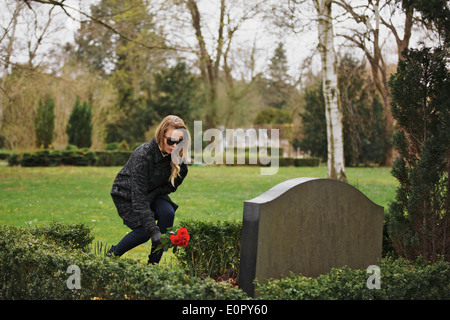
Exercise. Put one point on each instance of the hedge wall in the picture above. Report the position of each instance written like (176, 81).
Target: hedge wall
(34, 263)
(400, 280)
(86, 157)
(214, 248)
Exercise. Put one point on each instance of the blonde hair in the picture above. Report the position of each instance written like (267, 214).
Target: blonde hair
(173, 122)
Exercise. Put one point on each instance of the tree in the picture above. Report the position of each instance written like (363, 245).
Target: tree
(314, 135)
(363, 121)
(111, 43)
(278, 89)
(273, 116)
(366, 36)
(79, 126)
(365, 139)
(232, 14)
(26, 58)
(419, 223)
(435, 13)
(44, 122)
(333, 110)
(176, 92)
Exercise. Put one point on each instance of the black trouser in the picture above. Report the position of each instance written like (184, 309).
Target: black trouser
(164, 214)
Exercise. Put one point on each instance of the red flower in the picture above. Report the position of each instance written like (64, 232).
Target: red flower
(170, 239)
(181, 238)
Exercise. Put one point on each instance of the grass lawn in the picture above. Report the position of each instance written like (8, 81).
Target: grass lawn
(38, 196)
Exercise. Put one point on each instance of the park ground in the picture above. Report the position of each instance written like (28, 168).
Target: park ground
(38, 196)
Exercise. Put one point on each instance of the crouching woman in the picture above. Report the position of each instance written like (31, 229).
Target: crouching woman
(140, 190)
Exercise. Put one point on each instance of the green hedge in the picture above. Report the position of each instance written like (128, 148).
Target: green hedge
(214, 248)
(34, 262)
(303, 162)
(112, 158)
(86, 157)
(77, 157)
(4, 154)
(72, 236)
(400, 280)
(51, 158)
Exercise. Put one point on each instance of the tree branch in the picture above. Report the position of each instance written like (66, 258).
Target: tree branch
(64, 7)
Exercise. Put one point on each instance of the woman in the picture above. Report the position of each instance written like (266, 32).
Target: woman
(140, 190)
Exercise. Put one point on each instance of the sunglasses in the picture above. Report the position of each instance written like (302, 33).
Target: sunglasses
(171, 141)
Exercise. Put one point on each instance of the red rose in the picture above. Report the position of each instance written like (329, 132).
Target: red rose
(181, 238)
(174, 239)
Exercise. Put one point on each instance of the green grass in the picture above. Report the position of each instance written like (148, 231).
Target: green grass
(38, 196)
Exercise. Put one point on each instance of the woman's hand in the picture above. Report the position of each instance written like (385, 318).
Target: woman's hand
(155, 234)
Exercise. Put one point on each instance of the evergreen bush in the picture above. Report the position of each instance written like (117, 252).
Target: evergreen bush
(44, 122)
(400, 279)
(214, 248)
(34, 264)
(79, 126)
(418, 220)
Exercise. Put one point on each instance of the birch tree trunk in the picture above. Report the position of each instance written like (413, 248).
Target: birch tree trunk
(333, 110)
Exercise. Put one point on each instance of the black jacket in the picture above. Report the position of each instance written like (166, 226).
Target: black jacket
(144, 177)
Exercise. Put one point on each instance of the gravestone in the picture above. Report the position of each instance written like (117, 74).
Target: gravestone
(308, 226)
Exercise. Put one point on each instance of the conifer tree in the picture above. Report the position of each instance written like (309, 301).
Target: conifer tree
(44, 122)
(79, 126)
(419, 222)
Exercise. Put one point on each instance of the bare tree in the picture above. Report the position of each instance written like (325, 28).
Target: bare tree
(24, 53)
(211, 61)
(296, 16)
(333, 110)
(10, 15)
(366, 37)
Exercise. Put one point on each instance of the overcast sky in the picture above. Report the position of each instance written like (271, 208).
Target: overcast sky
(259, 31)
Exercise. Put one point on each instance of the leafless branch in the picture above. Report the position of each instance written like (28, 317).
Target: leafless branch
(65, 8)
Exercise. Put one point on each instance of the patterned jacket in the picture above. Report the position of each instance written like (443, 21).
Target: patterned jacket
(144, 177)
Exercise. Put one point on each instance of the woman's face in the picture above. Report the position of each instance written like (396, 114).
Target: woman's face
(175, 135)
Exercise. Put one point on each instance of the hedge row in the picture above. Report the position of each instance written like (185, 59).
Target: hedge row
(4, 154)
(34, 264)
(400, 279)
(86, 157)
(79, 157)
(214, 248)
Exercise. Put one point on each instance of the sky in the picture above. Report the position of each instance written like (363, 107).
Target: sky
(259, 31)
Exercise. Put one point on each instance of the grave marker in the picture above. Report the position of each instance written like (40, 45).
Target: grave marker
(308, 226)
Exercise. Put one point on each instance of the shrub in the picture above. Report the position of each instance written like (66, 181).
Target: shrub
(76, 236)
(44, 122)
(112, 146)
(307, 162)
(36, 159)
(112, 158)
(4, 154)
(13, 159)
(214, 248)
(79, 126)
(303, 162)
(45, 158)
(123, 146)
(419, 220)
(34, 262)
(80, 157)
(286, 162)
(400, 279)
